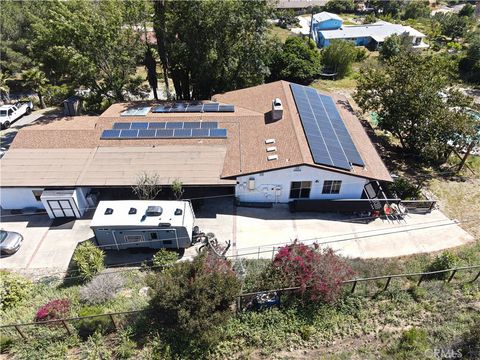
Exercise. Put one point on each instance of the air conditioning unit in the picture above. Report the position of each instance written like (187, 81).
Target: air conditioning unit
(251, 184)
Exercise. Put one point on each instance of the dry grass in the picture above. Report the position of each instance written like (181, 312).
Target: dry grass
(280, 33)
(459, 200)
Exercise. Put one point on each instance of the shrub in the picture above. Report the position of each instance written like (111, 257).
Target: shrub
(96, 348)
(319, 274)
(404, 189)
(89, 260)
(53, 310)
(13, 289)
(6, 343)
(360, 54)
(412, 344)
(339, 56)
(87, 327)
(164, 258)
(101, 288)
(126, 347)
(444, 261)
(194, 299)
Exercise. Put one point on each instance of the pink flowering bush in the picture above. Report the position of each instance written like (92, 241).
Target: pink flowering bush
(318, 273)
(55, 309)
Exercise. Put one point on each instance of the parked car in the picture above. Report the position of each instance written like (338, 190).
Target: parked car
(10, 242)
(10, 113)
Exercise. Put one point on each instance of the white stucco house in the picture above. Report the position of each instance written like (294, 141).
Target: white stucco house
(275, 143)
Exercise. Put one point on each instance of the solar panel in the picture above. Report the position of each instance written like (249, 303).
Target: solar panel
(122, 125)
(110, 134)
(218, 133)
(199, 133)
(174, 125)
(211, 107)
(191, 125)
(160, 109)
(182, 133)
(194, 108)
(164, 133)
(157, 125)
(128, 133)
(139, 125)
(328, 138)
(146, 133)
(209, 125)
(138, 111)
(226, 108)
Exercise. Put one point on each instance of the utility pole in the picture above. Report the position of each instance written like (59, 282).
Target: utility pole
(311, 25)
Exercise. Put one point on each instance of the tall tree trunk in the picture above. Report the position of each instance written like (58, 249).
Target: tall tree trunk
(40, 99)
(160, 33)
(151, 66)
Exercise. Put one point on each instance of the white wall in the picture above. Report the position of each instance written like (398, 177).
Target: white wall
(266, 184)
(19, 198)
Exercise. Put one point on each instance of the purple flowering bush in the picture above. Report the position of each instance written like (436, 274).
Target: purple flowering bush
(55, 309)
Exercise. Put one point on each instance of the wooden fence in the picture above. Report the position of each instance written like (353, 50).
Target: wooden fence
(113, 317)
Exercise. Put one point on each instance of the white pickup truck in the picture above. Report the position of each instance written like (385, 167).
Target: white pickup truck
(10, 113)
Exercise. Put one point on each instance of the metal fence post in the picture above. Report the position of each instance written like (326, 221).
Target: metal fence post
(258, 254)
(273, 252)
(20, 332)
(451, 276)
(387, 283)
(476, 277)
(354, 286)
(66, 327)
(113, 322)
(420, 280)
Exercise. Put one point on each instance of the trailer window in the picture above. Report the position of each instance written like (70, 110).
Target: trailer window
(153, 236)
(167, 242)
(133, 238)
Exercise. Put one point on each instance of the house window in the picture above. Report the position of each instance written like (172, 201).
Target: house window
(297, 168)
(331, 186)
(300, 189)
(37, 194)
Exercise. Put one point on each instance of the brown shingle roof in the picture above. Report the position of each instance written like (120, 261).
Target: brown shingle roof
(242, 152)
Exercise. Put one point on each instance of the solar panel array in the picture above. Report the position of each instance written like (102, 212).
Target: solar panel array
(138, 111)
(162, 130)
(328, 138)
(193, 107)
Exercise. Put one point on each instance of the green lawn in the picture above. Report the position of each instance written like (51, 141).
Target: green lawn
(280, 33)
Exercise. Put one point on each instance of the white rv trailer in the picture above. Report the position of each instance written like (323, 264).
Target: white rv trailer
(127, 224)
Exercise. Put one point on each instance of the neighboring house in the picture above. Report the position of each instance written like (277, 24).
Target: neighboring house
(297, 4)
(325, 21)
(327, 27)
(277, 142)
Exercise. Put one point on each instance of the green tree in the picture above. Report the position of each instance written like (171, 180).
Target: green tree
(467, 10)
(416, 9)
(387, 7)
(452, 25)
(36, 80)
(192, 300)
(208, 46)
(394, 44)
(177, 188)
(469, 65)
(339, 56)
(340, 6)
(296, 60)
(90, 44)
(413, 98)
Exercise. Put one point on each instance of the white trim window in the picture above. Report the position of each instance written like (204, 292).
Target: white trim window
(300, 189)
(331, 186)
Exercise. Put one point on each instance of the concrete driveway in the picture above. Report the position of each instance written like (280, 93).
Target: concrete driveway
(44, 248)
(256, 233)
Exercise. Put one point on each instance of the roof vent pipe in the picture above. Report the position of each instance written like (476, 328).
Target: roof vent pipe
(277, 109)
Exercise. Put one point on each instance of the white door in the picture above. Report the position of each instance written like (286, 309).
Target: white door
(61, 208)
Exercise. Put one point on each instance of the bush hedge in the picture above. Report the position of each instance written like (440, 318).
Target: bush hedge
(87, 327)
(89, 260)
(13, 289)
(53, 310)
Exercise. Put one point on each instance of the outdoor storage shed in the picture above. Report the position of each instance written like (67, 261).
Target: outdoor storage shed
(64, 203)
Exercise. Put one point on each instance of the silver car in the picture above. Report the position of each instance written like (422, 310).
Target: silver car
(10, 242)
